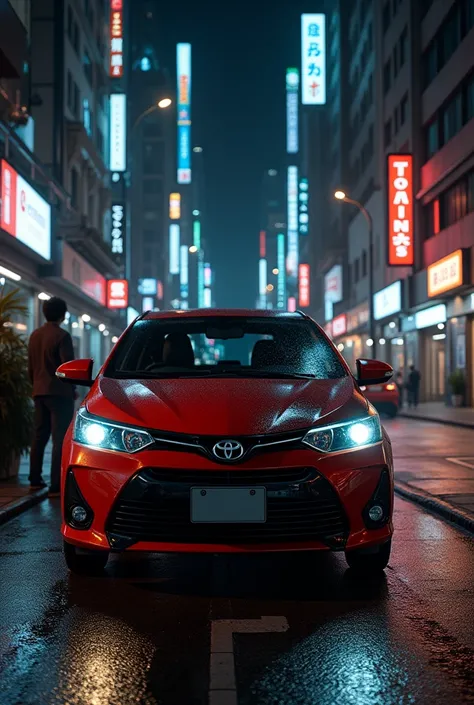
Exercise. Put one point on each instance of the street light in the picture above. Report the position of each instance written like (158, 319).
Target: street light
(161, 105)
(341, 196)
(193, 249)
(275, 271)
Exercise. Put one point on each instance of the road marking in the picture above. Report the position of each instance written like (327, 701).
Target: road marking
(464, 463)
(222, 683)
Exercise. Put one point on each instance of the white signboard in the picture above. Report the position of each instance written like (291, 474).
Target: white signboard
(430, 316)
(292, 99)
(313, 59)
(388, 301)
(118, 132)
(24, 213)
(292, 256)
(174, 248)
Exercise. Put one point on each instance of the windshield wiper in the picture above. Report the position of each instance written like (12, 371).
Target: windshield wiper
(264, 374)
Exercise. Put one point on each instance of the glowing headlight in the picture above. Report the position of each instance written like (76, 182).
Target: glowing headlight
(96, 433)
(344, 436)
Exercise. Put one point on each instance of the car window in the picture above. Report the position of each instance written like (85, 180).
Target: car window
(251, 347)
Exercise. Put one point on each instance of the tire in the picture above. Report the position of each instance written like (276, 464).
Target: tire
(84, 563)
(369, 563)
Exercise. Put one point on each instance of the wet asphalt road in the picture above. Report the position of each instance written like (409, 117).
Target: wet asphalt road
(142, 632)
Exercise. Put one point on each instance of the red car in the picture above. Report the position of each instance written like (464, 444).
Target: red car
(385, 398)
(271, 448)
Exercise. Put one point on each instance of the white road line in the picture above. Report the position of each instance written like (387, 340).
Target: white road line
(459, 461)
(222, 683)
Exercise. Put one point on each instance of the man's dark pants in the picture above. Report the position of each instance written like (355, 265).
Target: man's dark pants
(52, 418)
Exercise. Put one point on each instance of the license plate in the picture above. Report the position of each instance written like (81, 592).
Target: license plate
(228, 505)
(377, 388)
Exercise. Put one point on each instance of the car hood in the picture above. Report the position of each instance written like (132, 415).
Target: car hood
(224, 406)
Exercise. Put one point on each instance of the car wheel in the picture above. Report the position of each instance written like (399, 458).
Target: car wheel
(369, 563)
(84, 562)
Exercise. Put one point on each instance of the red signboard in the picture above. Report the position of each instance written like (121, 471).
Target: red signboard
(263, 244)
(339, 325)
(116, 39)
(400, 210)
(117, 293)
(304, 285)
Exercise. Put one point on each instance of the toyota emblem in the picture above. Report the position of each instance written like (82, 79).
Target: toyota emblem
(228, 450)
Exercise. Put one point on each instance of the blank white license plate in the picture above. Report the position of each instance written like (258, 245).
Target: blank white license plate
(377, 388)
(228, 505)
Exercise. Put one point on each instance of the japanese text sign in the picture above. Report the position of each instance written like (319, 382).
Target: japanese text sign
(116, 39)
(400, 210)
(313, 59)
(304, 285)
(446, 274)
(117, 293)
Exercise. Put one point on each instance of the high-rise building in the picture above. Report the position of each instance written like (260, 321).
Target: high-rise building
(151, 152)
(409, 71)
(55, 210)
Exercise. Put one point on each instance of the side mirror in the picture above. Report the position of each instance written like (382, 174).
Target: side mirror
(76, 372)
(373, 372)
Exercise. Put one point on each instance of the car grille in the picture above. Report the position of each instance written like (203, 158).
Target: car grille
(155, 507)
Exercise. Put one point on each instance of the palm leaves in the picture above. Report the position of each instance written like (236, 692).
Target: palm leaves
(16, 412)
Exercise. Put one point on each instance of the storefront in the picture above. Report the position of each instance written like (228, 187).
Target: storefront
(388, 306)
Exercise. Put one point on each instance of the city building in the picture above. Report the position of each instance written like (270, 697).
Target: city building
(55, 196)
(411, 88)
(152, 157)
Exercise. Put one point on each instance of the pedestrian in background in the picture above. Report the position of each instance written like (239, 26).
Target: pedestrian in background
(413, 386)
(50, 346)
(400, 386)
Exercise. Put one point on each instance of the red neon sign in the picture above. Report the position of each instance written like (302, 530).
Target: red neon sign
(304, 285)
(339, 325)
(263, 244)
(116, 39)
(400, 210)
(117, 293)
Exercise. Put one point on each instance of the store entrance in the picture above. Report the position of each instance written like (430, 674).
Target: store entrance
(435, 374)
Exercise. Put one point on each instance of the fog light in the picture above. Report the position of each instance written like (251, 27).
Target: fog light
(376, 513)
(79, 514)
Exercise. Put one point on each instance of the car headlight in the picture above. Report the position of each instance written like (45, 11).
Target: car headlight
(97, 433)
(345, 436)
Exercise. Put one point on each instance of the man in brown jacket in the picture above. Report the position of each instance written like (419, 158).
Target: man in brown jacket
(49, 347)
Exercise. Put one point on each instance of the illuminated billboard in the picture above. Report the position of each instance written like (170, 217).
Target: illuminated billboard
(292, 201)
(118, 230)
(281, 281)
(174, 248)
(304, 285)
(175, 206)
(118, 132)
(200, 279)
(184, 271)
(183, 60)
(116, 39)
(292, 99)
(313, 59)
(24, 214)
(303, 207)
(262, 282)
(197, 234)
(117, 293)
(400, 210)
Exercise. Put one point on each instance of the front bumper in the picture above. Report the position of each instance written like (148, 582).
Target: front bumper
(314, 502)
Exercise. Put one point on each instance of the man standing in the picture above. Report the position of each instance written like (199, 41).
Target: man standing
(413, 386)
(49, 347)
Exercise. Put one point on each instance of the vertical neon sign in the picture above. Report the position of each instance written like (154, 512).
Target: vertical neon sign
(183, 59)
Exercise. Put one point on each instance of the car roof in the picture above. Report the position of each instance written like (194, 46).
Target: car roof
(231, 312)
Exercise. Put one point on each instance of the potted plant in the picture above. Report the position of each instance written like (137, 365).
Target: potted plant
(16, 409)
(457, 382)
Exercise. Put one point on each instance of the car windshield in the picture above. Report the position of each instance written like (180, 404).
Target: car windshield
(224, 346)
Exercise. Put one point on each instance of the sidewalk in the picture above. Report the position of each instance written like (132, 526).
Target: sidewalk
(438, 411)
(15, 494)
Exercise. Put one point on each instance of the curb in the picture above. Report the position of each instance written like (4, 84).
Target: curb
(21, 505)
(437, 506)
(431, 419)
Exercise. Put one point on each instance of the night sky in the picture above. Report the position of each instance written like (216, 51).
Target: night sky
(240, 55)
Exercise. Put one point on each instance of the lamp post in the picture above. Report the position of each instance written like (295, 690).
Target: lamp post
(341, 196)
(160, 105)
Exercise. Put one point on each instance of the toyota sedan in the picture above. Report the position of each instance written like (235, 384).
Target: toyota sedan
(226, 431)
